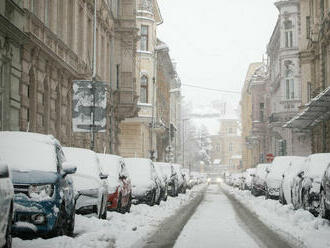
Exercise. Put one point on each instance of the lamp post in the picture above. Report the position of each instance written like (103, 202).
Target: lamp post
(183, 142)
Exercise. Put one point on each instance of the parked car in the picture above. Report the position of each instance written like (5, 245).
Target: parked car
(6, 206)
(274, 177)
(295, 167)
(119, 183)
(246, 183)
(259, 179)
(236, 179)
(44, 201)
(145, 187)
(325, 194)
(90, 186)
(307, 187)
(182, 183)
(194, 178)
(171, 176)
(163, 183)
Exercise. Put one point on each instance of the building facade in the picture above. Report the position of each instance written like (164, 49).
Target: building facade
(249, 155)
(57, 49)
(285, 82)
(314, 57)
(12, 38)
(137, 135)
(227, 145)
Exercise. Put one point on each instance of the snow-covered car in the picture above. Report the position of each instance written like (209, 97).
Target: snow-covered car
(90, 186)
(325, 194)
(190, 182)
(182, 183)
(171, 177)
(145, 188)
(236, 179)
(44, 201)
(274, 177)
(163, 183)
(259, 179)
(295, 167)
(6, 205)
(119, 183)
(194, 178)
(307, 185)
(246, 183)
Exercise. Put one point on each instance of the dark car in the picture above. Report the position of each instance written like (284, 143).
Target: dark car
(325, 195)
(119, 183)
(145, 187)
(259, 179)
(44, 200)
(171, 177)
(307, 184)
(6, 206)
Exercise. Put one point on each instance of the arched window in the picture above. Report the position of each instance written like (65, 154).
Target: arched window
(288, 33)
(144, 89)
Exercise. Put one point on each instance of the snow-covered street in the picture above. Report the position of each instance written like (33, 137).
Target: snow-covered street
(129, 230)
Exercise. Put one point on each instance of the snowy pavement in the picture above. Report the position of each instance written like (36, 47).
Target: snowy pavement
(128, 230)
(215, 224)
(309, 231)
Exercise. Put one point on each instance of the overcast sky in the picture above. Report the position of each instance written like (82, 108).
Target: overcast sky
(214, 41)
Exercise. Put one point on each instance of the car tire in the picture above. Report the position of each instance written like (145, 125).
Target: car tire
(305, 200)
(71, 223)
(129, 204)
(324, 212)
(8, 243)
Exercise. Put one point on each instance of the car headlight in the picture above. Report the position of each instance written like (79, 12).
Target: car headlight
(41, 192)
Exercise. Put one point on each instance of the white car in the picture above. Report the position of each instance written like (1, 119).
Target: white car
(182, 184)
(171, 177)
(273, 181)
(6, 206)
(145, 188)
(163, 183)
(90, 186)
(295, 167)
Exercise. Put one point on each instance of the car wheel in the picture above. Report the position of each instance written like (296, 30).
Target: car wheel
(305, 200)
(71, 223)
(129, 204)
(8, 232)
(324, 212)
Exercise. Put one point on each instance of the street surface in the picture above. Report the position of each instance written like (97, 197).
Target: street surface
(221, 221)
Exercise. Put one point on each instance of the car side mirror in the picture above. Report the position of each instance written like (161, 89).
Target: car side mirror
(301, 174)
(103, 176)
(283, 175)
(4, 171)
(68, 168)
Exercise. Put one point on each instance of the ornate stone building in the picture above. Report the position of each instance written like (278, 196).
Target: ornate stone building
(12, 39)
(285, 82)
(138, 137)
(60, 49)
(314, 57)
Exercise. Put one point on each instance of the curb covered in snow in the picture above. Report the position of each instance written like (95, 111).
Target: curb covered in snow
(283, 219)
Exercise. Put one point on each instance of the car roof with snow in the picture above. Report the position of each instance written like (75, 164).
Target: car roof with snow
(29, 151)
(316, 164)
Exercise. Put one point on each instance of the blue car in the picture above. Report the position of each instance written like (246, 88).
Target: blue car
(44, 200)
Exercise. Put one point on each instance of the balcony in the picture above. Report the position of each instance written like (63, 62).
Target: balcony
(145, 5)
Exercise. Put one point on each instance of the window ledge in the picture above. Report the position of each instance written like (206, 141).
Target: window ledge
(144, 52)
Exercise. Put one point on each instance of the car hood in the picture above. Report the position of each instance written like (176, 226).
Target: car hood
(33, 177)
(273, 182)
(85, 182)
(140, 187)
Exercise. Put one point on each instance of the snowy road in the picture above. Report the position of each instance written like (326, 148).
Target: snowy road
(221, 221)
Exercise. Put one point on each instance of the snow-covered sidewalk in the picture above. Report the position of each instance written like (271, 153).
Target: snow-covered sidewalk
(300, 224)
(128, 230)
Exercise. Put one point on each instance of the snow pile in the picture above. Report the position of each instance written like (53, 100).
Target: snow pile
(119, 230)
(302, 225)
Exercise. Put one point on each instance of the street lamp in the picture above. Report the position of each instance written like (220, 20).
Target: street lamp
(183, 142)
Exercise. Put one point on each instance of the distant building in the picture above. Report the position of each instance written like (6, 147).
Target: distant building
(227, 145)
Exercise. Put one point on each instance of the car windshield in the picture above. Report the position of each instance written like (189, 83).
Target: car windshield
(110, 165)
(27, 152)
(138, 168)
